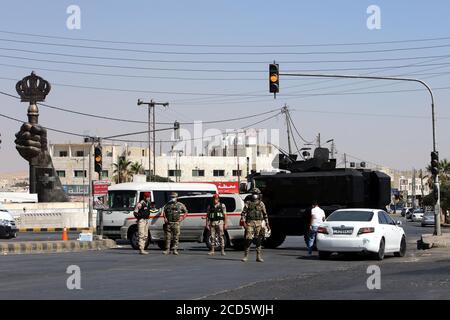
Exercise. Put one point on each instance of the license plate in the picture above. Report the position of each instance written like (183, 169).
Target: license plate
(343, 231)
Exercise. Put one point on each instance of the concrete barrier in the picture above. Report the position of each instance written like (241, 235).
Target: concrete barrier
(28, 247)
(50, 215)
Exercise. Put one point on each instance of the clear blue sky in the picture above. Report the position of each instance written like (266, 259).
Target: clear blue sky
(370, 126)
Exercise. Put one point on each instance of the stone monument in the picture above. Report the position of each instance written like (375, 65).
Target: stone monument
(31, 143)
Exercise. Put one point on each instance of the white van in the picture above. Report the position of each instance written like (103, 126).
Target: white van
(123, 197)
(8, 228)
(193, 227)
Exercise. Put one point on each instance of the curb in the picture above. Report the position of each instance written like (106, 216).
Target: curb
(53, 229)
(54, 246)
(428, 241)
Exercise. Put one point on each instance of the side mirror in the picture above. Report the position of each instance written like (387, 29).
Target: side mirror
(399, 223)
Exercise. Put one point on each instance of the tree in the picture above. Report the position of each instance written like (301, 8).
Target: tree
(136, 168)
(122, 170)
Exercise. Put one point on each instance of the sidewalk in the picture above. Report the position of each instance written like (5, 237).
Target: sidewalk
(27, 247)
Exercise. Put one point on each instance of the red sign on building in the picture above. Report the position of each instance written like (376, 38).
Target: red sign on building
(227, 186)
(100, 188)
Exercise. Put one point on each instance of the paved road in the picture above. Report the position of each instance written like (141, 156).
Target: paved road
(287, 274)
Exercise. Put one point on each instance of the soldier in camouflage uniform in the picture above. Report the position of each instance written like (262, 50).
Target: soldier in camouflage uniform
(252, 217)
(174, 213)
(216, 222)
(142, 213)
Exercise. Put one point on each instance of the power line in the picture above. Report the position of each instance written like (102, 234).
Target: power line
(224, 53)
(222, 45)
(298, 133)
(143, 122)
(217, 61)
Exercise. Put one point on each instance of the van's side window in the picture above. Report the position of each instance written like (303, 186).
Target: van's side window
(160, 198)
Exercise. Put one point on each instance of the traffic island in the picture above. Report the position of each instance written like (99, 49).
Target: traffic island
(428, 241)
(27, 247)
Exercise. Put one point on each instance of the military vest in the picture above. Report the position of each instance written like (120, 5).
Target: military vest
(173, 212)
(215, 213)
(255, 211)
(143, 212)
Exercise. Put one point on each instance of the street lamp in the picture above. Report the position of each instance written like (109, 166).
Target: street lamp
(437, 210)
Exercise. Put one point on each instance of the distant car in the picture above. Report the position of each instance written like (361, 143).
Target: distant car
(428, 219)
(8, 227)
(406, 211)
(410, 213)
(417, 216)
(370, 231)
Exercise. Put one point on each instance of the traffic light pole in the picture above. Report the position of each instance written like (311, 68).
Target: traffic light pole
(437, 209)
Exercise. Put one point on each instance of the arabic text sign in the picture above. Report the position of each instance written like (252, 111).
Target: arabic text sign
(100, 188)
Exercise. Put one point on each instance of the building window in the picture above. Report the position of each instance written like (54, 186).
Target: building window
(80, 173)
(198, 173)
(105, 174)
(218, 173)
(143, 152)
(63, 153)
(79, 153)
(61, 173)
(174, 173)
(237, 173)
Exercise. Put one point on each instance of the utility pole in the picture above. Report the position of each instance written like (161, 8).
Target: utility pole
(318, 140)
(151, 127)
(414, 188)
(345, 160)
(91, 140)
(285, 110)
(421, 183)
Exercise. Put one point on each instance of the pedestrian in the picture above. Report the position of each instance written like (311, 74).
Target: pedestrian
(142, 214)
(317, 217)
(216, 223)
(174, 213)
(252, 217)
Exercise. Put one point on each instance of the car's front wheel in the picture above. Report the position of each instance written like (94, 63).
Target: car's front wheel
(380, 254)
(133, 235)
(402, 251)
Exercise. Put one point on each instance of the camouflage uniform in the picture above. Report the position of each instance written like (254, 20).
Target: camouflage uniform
(142, 212)
(173, 213)
(253, 214)
(216, 215)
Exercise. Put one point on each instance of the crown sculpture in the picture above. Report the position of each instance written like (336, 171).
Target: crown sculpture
(31, 142)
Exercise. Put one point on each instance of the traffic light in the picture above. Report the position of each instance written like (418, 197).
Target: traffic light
(98, 158)
(274, 78)
(435, 163)
(176, 130)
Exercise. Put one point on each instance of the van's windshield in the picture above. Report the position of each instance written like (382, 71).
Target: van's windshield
(122, 199)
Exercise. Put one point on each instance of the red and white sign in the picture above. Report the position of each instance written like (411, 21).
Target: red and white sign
(227, 186)
(100, 188)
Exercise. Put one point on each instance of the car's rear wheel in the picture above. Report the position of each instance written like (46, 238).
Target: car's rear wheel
(324, 255)
(275, 240)
(209, 244)
(380, 254)
(402, 251)
(133, 235)
(161, 244)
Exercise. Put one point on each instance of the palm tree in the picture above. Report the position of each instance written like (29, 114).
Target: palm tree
(136, 168)
(122, 170)
(444, 171)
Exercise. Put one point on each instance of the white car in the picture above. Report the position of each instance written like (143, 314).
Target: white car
(361, 230)
(8, 228)
(417, 216)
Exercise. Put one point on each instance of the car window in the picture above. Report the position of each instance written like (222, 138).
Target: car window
(381, 218)
(194, 205)
(230, 203)
(388, 219)
(160, 198)
(350, 215)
